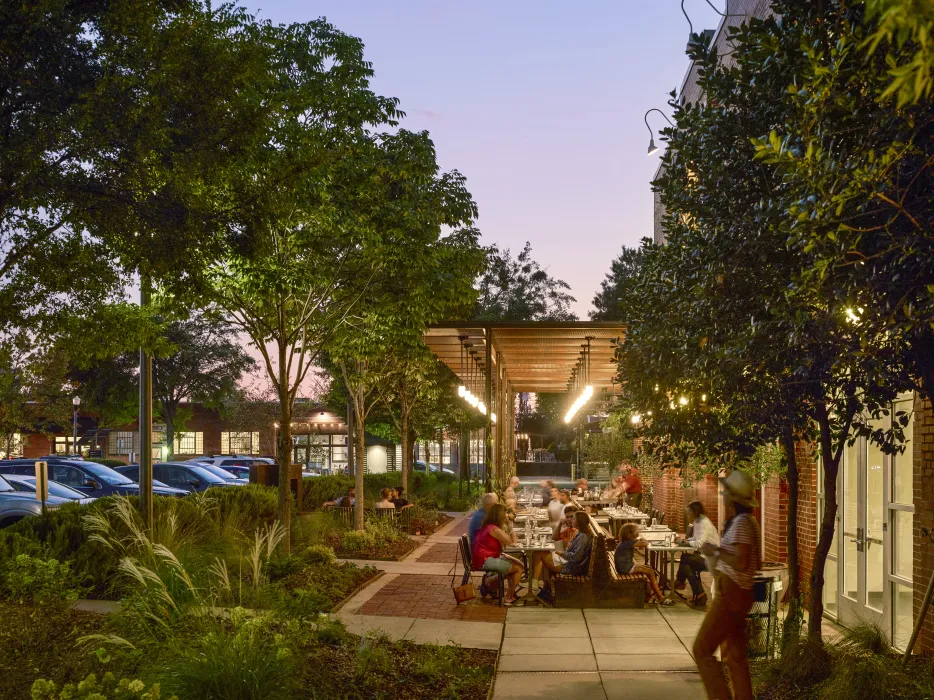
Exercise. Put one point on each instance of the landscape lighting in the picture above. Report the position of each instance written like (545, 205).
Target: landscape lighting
(635, 419)
(683, 401)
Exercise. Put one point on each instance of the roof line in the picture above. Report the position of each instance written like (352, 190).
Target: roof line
(529, 324)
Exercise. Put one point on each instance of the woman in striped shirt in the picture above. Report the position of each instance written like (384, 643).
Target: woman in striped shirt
(724, 626)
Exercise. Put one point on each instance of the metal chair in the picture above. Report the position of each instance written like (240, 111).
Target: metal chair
(466, 560)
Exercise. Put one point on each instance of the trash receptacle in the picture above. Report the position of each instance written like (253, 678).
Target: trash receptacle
(762, 620)
(268, 475)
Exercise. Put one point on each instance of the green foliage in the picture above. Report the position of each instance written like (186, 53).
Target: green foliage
(28, 578)
(316, 554)
(376, 535)
(107, 688)
(331, 632)
(242, 664)
(520, 290)
(622, 269)
(903, 26)
(437, 491)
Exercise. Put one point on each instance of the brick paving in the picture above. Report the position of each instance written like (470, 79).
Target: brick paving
(443, 553)
(424, 596)
(460, 528)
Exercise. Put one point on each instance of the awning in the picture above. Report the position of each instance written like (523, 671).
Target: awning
(536, 356)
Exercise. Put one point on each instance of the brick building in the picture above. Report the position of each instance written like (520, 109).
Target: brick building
(880, 561)
(319, 439)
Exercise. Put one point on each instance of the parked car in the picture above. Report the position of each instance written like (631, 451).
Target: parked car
(27, 484)
(238, 465)
(227, 476)
(16, 505)
(179, 476)
(419, 466)
(90, 478)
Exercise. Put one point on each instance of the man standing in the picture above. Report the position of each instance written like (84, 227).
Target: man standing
(632, 486)
(476, 520)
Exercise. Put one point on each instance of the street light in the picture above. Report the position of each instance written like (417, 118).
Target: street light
(76, 401)
(652, 147)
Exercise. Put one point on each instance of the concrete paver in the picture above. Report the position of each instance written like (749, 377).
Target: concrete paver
(473, 635)
(566, 629)
(393, 627)
(646, 662)
(635, 645)
(547, 664)
(548, 686)
(652, 632)
(652, 686)
(539, 646)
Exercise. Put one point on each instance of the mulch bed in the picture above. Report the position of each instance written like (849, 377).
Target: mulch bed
(388, 551)
(399, 670)
(40, 643)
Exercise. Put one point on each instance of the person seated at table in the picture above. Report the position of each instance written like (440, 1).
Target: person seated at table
(547, 487)
(692, 563)
(624, 559)
(574, 561)
(566, 530)
(556, 505)
(397, 498)
(582, 487)
(385, 502)
(344, 501)
(487, 552)
(476, 520)
(614, 489)
(510, 491)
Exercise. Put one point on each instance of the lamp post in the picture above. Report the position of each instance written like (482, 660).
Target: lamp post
(652, 147)
(76, 401)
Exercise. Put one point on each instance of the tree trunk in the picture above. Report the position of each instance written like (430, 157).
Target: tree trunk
(361, 454)
(830, 463)
(406, 456)
(792, 629)
(285, 452)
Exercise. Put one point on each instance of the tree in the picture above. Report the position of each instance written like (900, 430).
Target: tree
(205, 364)
(109, 388)
(729, 348)
(520, 290)
(419, 276)
(606, 302)
(304, 211)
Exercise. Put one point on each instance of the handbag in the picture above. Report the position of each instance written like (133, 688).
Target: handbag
(464, 592)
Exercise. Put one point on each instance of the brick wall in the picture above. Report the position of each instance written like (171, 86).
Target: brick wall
(807, 510)
(671, 497)
(775, 520)
(923, 483)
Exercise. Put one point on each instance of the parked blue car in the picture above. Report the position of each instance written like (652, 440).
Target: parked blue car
(90, 478)
(178, 476)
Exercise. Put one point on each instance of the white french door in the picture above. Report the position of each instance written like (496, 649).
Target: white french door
(873, 540)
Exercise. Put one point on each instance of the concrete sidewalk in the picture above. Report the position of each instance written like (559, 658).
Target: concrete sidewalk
(599, 654)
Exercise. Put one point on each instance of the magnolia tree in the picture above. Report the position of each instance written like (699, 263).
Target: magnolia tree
(731, 346)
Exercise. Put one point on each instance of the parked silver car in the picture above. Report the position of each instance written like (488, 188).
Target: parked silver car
(16, 505)
(27, 484)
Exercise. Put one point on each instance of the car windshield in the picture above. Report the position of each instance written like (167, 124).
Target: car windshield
(106, 474)
(5, 485)
(205, 475)
(218, 472)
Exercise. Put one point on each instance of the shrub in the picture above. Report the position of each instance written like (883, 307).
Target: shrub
(318, 554)
(244, 664)
(804, 663)
(112, 463)
(332, 633)
(36, 580)
(373, 659)
(91, 689)
(357, 541)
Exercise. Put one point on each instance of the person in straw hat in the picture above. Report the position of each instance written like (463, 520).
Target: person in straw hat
(724, 626)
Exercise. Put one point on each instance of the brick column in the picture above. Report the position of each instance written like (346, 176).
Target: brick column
(923, 482)
(807, 510)
(775, 521)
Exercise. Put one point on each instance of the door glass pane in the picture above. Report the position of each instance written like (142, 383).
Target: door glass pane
(850, 514)
(902, 616)
(902, 463)
(830, 586)
(902, 543)
(875, 514)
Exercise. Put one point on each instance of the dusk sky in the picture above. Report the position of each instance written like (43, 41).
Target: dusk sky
(539, 104)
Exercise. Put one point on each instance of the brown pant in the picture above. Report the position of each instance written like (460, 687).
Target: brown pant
(724, 626)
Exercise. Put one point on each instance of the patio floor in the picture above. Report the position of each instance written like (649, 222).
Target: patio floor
(600, 654)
